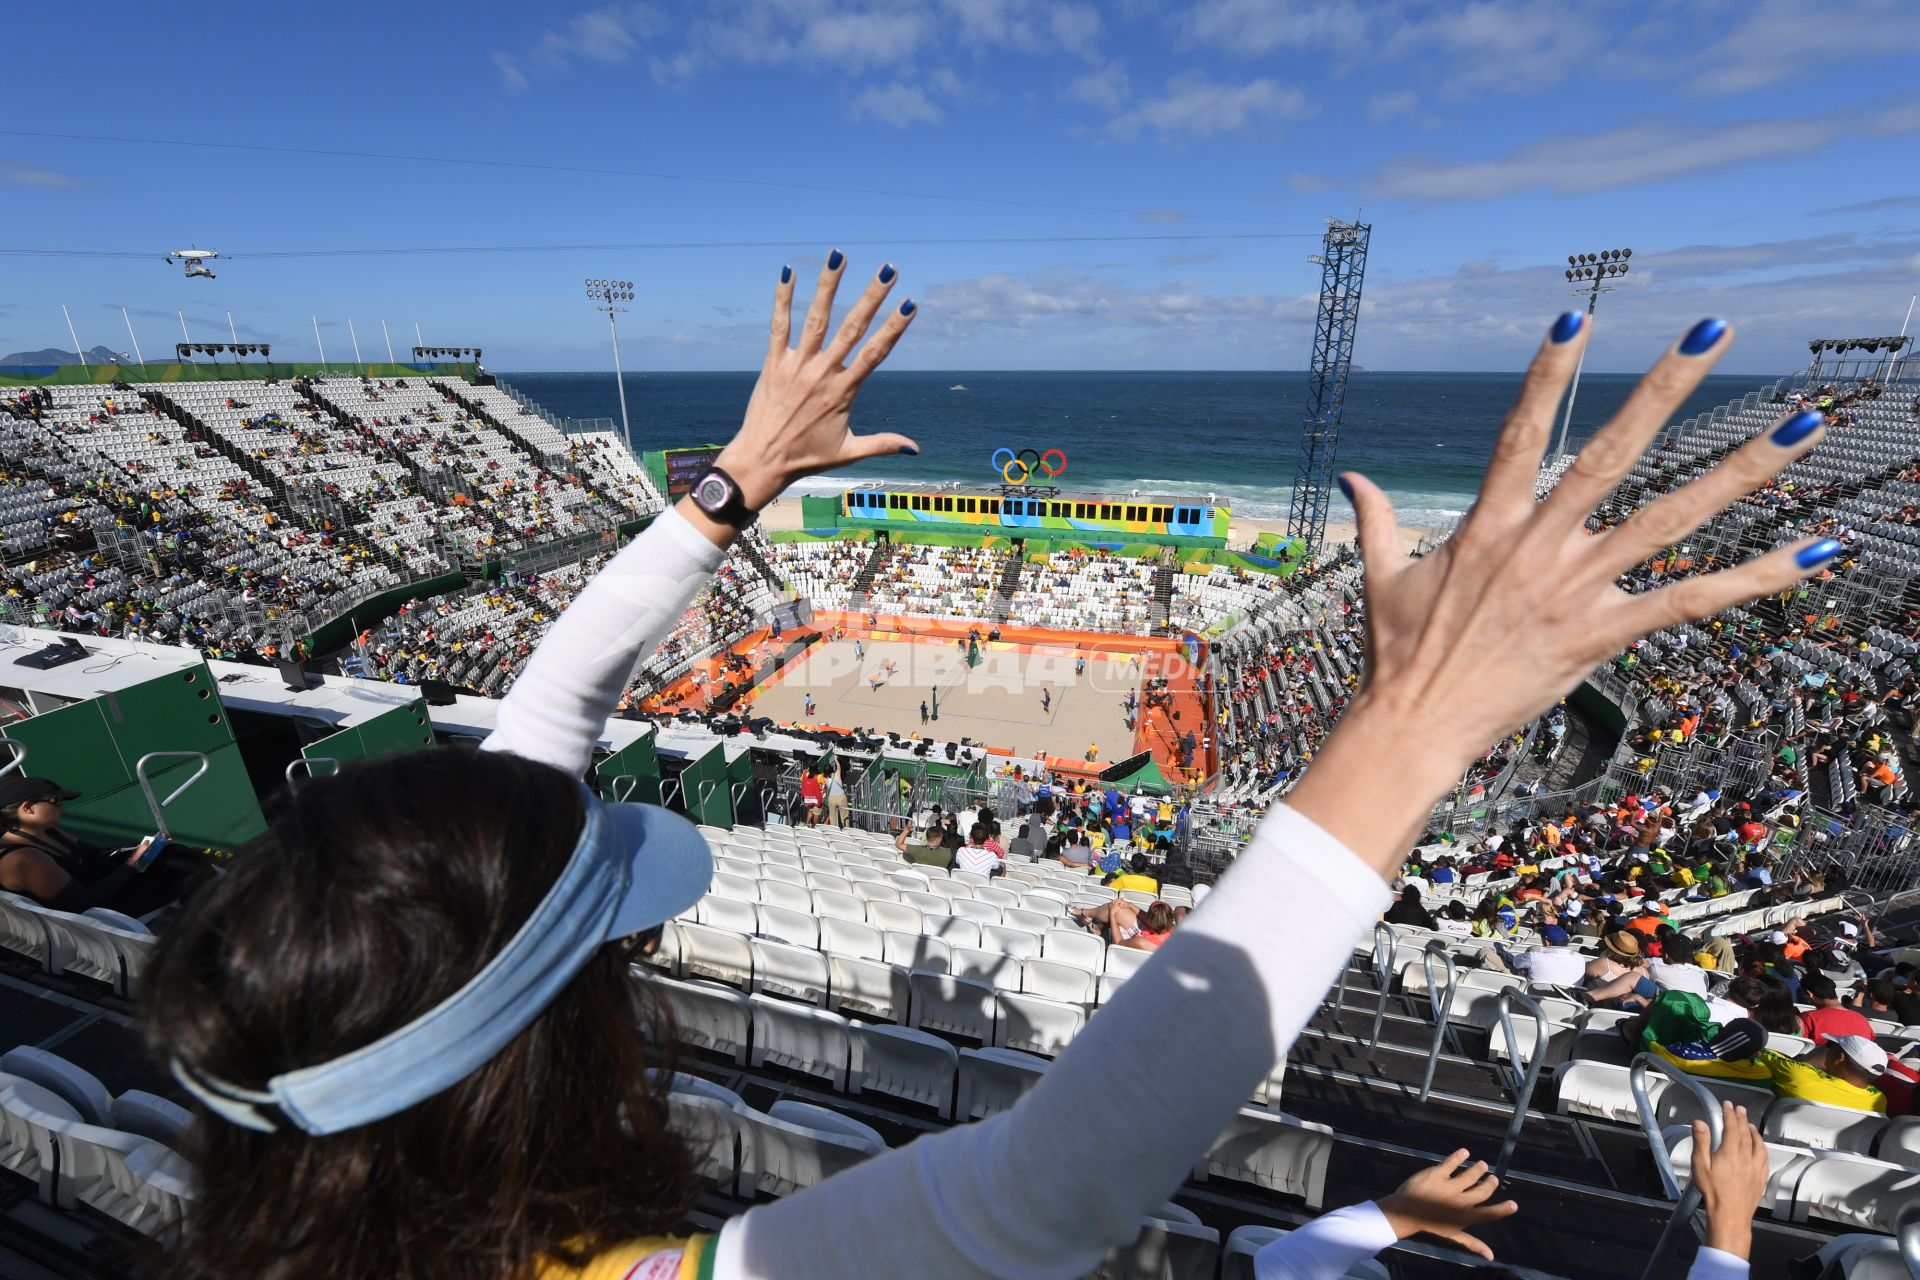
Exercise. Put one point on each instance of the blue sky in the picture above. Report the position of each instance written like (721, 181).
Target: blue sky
(1762, 160)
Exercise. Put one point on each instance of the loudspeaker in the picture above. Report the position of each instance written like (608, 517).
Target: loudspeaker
(58, 654)
(438, 693)
(1115, 772)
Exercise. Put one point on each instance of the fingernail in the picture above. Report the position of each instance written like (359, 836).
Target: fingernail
(909, 449)
(1818, 554)
(1798, 428)
(1567, 327)
(886, 274)
(834, 260)
(786, 275)
(1346, 487)
(1701, 337)
(907, 307)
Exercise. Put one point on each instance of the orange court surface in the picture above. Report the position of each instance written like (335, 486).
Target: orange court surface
(1033, 693)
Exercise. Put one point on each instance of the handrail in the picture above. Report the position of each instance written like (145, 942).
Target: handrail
(707, 788)
(157, 806)
(1686, 1201)
(1442, 1006)
(613, 784)
(1382, 974)
(1340, 987)
(669, 788)
(19, 761)
(1906, 1236)
(1523, 1095)
(298, 763)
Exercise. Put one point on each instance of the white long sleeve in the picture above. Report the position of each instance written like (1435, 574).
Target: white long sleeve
(1174, 1055)
(1717, 1264)
(1328, 1247)
(1161, 1070)
(559, 705)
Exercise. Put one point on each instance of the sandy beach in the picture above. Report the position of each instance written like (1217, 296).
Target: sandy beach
(785, 514)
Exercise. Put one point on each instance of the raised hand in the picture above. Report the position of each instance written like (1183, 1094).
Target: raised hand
(797, 420)
(1445, 1200)
(1731, 1180)
(1472, 641)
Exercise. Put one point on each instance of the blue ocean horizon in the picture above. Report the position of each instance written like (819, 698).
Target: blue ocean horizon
(1424, 437)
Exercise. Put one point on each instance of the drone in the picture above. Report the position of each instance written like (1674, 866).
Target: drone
(194, 260)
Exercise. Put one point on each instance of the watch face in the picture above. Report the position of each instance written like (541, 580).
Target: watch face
(712, 493)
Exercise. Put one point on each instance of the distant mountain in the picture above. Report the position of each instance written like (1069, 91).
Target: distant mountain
(54, 355)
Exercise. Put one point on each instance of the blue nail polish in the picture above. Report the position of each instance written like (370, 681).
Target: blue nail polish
(1701, 337)
(786, 275)
(834, 260)
(1567, 327)
(909, 449)
(1818, 554)
(1797, 428)
(886, 274)
(1346, 487)
(907, 307)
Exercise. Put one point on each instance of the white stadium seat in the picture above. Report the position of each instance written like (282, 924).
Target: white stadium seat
(801, 928)
(1056, 981)
(720, 954)
(727, 913)
(1071, 946)
(918, 951)
(849, 938)
(1021, 944)
(1035, 1023)
(779, 1157)
(870, 987)
(1164, 1250)
(1279, 1153)
(708, 1016)
(711, 1130)
(80, 1088)
(800, 1038)
(1798, 1122)
(952, 1006)
(882, 914)
(29, 1116)
(782, 969)
(903, 1063)
(992, 1080)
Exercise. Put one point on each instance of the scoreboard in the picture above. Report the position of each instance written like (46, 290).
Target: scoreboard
(684, 466)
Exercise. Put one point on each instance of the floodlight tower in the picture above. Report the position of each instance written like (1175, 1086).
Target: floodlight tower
(1596, 268)
(605, 293)
(1343, 264)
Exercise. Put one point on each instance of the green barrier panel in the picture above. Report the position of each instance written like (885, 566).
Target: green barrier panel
(402, 728)
(739, 782)
(704, 789)
(818, 511)
(639, 761)
(93, 747)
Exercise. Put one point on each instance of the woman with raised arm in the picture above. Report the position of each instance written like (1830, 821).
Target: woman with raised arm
(407, 1013)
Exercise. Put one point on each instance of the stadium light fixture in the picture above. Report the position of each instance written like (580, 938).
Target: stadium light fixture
(1591, 271)
(606, 293)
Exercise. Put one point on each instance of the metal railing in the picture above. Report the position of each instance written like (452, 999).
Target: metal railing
(156, 806)
(1687, 1201)
(1524, 1081)
(1441, 1004)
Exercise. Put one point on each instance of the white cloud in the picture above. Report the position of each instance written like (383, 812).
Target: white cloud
(510, 73)
(1779, 40)
(895, 104)
(1251, 28)
(1195, 107)
(1644, 151)
(1104, 89)
(1385, 106)
(27, 175)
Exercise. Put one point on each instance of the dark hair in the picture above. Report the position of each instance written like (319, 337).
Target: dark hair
(978, 834)
(1819, 986)
(1776, 1013)
(1747, 991)
(358, 911)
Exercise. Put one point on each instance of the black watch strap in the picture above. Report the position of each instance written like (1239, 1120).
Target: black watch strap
(718, 494)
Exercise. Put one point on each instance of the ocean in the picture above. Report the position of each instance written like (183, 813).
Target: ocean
(1424, 437)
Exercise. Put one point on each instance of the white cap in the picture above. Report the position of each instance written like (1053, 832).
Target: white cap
(1863, 1053)
(1849, 928)
(1778, 938)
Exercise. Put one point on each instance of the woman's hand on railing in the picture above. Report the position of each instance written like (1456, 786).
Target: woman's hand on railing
(797, 422)
(1521, 603)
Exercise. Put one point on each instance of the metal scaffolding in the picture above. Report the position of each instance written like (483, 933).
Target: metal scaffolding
(1343, 265)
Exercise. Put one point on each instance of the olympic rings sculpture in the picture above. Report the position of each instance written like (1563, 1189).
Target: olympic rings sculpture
(1028, 461)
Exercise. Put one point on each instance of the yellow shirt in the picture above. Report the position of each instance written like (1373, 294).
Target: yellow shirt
(1143, 884)
(648, 1258)
(1792, 1078)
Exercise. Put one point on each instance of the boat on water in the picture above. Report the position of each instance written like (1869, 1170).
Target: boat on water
(956, 387)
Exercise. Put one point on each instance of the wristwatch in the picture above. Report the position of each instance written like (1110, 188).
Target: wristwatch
(718, 494)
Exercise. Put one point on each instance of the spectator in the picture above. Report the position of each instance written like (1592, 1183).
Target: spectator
(1829, 1019)
(976, 856)
(66, 873)
(1122, 924)
(1408, 911)
(1137, 877)
(931, 850)
(1843, 1072)
(832, 776)
(811, 796)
